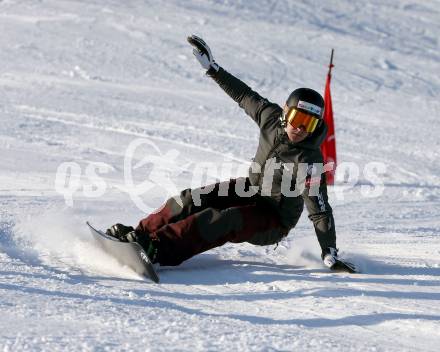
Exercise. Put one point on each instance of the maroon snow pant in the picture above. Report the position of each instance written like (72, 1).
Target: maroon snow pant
(180, 231)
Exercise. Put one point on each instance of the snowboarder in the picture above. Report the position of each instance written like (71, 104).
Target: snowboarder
(255, 209)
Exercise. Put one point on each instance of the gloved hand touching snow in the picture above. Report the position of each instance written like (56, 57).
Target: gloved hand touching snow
(203, 54)
(331, 260)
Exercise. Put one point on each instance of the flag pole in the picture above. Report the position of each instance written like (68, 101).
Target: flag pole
(328, 147)
(330, 66)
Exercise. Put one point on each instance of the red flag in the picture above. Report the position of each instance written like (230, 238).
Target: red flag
(328, 147)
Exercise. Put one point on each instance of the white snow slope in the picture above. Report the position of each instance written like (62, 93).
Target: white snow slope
(82, 82)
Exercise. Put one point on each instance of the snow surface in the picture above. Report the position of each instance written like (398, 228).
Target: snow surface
(81, 81)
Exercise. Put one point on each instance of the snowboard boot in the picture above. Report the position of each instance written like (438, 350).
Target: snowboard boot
(128, 234)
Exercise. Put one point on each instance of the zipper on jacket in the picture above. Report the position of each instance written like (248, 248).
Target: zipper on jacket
(278, 141)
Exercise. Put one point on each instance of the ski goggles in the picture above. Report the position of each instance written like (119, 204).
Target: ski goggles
(298, 118)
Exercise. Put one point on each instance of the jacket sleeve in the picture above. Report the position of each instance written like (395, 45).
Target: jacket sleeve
(321, 214)
(261, 110)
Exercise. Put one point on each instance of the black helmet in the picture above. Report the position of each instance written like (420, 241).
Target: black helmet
(308, 100)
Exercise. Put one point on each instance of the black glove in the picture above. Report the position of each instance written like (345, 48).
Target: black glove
(332, 261)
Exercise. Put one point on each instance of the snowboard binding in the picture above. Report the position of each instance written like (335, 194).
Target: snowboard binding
(128, 234)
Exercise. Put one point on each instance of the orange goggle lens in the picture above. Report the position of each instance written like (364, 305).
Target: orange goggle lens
(298, 118)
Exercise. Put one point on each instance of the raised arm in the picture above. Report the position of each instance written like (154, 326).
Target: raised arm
(261, 110)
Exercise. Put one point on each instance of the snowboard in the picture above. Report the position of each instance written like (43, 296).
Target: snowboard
(130, 254)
